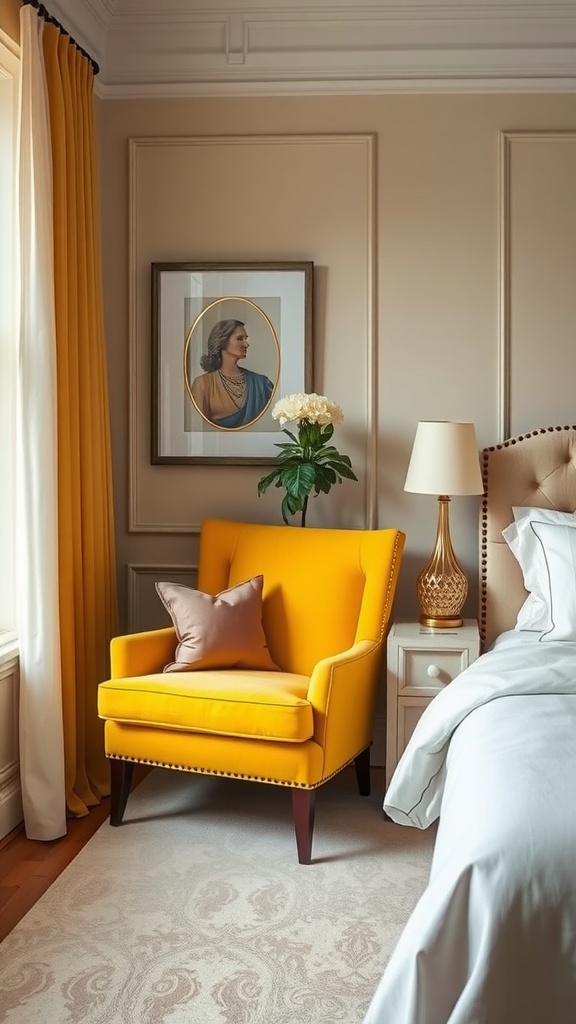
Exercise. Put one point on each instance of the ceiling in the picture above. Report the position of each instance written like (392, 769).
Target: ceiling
(212, 47)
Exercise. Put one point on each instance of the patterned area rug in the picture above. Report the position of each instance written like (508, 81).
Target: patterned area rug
(196, 911)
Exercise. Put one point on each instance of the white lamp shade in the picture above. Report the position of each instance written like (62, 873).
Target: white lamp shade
(444, 459)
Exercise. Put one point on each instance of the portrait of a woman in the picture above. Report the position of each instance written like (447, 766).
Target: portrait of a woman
(226, 394)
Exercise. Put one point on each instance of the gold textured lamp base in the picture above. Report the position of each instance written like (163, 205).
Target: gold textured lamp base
(442, 586)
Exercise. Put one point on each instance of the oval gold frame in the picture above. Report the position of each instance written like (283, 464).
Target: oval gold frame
(217, 302)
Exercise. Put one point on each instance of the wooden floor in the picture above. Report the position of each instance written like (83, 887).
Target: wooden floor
(28, 867)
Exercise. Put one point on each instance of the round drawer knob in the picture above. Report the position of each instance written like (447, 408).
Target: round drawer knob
(433, 671)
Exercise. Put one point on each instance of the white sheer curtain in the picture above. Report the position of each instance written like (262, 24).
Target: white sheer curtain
(41, 731)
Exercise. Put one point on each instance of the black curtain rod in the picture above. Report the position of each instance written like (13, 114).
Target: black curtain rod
(53, 21)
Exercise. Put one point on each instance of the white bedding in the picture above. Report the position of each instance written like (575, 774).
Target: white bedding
(493, 938)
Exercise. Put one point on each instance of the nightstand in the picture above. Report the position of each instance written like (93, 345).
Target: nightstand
(420, 663)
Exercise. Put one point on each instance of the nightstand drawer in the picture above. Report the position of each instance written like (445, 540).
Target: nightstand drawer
(425, 670)
(409, 713)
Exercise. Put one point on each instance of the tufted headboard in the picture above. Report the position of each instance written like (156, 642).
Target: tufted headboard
(537, 469)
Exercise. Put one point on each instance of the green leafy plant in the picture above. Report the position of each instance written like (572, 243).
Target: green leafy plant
(307, 463)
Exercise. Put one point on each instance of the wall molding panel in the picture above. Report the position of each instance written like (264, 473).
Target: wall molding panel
(311, 171)
(11, 813)
(145, 610)
(537, 273)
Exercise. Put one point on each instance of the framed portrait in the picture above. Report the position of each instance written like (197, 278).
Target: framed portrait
(228, 340)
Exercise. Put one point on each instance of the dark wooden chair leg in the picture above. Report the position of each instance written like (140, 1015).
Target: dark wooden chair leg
(303, 806)
(362, 766)
(120, 781)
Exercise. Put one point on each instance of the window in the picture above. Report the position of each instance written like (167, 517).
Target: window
(9, 308)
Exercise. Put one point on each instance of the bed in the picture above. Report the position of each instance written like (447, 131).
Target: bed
(493, 758)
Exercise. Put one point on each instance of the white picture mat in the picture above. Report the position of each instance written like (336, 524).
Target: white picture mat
(177, 288)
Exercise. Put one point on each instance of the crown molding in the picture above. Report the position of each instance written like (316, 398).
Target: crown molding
(187, 47)
(421, 86)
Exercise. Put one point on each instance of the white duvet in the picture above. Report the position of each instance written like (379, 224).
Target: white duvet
(493, 938)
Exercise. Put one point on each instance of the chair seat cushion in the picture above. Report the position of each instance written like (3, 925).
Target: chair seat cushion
(269, 705)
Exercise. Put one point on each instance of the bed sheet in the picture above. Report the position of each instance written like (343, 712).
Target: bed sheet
(493, 938)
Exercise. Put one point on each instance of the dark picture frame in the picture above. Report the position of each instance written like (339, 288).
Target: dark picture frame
(193, 305)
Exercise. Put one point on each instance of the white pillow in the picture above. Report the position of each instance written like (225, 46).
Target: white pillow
(532, 614)
(558, 545)
(529, 550)
(535, 612)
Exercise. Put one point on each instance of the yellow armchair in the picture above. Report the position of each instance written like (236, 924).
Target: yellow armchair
(326, 606)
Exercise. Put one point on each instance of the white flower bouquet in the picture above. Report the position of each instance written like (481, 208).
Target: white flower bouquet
(306, 463)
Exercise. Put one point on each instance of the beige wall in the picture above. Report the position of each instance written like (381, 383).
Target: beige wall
(414, 263)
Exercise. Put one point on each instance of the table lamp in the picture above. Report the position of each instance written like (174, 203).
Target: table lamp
(445, 462)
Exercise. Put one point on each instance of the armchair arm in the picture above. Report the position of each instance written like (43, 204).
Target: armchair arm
(139, 654)
(343, 691)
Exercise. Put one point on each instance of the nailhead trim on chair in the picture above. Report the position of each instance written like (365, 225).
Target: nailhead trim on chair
(386, 616)
(231, 775)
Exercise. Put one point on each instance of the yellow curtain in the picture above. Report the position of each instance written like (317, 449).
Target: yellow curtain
(88, 600)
